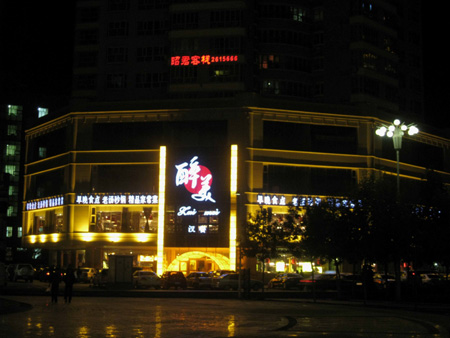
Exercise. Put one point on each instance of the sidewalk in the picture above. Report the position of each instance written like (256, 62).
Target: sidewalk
(7, 306)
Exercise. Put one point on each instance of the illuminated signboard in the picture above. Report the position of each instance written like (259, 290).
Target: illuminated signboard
(301, 201)
(196, 178)
(116, 199)
(45, 203)
(188, 211)
(195, 60)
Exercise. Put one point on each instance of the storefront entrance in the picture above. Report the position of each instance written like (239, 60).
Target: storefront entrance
(199, 261)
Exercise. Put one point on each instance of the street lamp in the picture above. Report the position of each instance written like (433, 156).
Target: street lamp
(396, 130)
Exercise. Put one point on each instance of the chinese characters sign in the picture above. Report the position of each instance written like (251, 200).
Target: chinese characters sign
(196, 178)
(301, 201)
(46, 203)
(117, 199)
(195, 60)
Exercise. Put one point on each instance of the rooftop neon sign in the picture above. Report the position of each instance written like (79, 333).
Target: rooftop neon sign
(195, 60)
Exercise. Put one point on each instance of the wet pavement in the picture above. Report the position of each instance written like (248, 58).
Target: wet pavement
(36, 316)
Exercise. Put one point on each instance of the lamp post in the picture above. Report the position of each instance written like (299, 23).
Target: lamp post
(396, 130)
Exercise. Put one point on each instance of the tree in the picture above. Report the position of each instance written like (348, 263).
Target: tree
(265, 236)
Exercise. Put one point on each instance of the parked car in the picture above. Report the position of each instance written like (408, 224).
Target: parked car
(231, 282)
(100, 279)
(383, 280)
(85, 275)
(199, 280)
(146, 279)
(326, 281)
(215, 275)
(173, 279)
(430, 278)
(21, 271)
(286, 281)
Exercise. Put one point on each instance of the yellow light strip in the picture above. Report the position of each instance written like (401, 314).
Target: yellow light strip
(233, 191)
(161, 209)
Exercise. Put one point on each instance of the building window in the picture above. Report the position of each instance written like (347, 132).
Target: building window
(87, 37)
(225, 73)
(117, 55)
(118, 5)
(19, 232)
(298, 14)
(10, 169)
(12, 110)
(88, 14)
(269, 61)
(150, 27)
(11, 149)
(12, 190)
(10, 211)
(318, 14)
(12, 129)
(148, 54)
(87, 81)
(117, 29)
(151, 4)
(183, 74)
(116, 81)
(271, 87)
(151, 80)
(125, 221)
(369, 61)
(42, 152)
(42, 112)
(87, 59)
(9, 232)
(225, 18)
(187, 20)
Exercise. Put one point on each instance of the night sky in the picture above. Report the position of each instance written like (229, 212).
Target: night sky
(37, 54)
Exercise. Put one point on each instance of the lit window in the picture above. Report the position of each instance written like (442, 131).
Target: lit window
(9, 231)
(12, 129)
(10, 169)
(42, 112)
(42, 152)
(11, 190)
(19, 232)
(271, 87)
(11, 149)
(298, 14)
(10, 211)
(12, 110)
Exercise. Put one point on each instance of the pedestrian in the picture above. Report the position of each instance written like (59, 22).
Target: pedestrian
(55, 279)
(69, 280)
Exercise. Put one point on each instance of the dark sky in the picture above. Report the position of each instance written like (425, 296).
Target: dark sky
(36, 53)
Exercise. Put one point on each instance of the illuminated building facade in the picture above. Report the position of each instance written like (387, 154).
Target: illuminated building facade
(187, 115)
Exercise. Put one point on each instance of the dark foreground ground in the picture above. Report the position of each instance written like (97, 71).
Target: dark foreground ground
(26, 311)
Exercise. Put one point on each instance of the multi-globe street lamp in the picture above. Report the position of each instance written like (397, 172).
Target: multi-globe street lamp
(396, 130)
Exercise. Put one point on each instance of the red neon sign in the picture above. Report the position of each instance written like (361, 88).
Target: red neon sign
(195, 60)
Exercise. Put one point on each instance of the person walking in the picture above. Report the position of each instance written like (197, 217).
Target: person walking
(69, 280)
(55, 279)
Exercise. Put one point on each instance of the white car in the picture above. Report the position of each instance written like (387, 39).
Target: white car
(146, 279)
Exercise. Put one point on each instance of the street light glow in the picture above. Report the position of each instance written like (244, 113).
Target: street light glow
(396, 131)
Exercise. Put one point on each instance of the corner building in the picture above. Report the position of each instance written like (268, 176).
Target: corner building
(186, 116)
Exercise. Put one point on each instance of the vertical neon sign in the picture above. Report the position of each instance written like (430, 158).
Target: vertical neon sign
(161, 209)
(233, 205)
